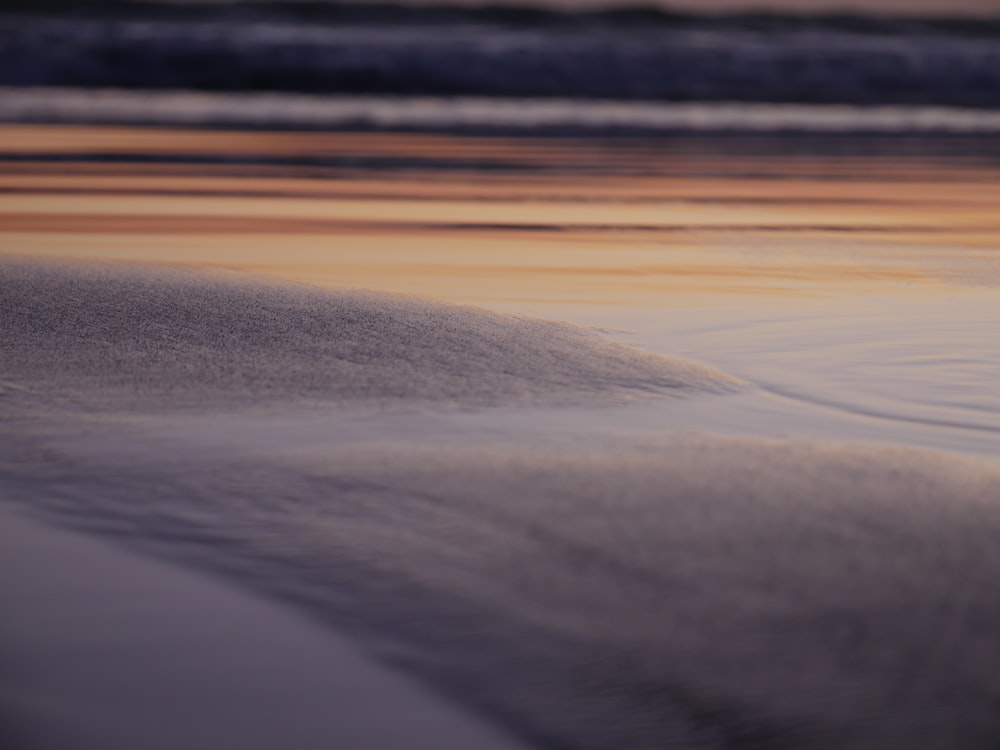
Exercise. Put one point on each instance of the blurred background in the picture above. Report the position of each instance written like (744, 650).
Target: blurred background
(856, 52)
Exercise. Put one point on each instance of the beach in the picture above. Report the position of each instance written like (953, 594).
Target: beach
(680, 440)
(107, 649)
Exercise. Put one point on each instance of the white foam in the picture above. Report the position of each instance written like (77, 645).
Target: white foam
(447, 113)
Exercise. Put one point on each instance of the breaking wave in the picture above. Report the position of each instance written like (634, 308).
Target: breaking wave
(487, 53)
(474, 114)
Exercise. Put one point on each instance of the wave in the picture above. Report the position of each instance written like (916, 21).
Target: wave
(431, 52)
(263, 110)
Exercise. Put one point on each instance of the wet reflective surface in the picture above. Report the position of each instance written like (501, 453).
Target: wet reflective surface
(796, 552)
(859, 275)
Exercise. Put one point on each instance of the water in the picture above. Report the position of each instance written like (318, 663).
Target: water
(625, 56)
(479, 114)
(804, 558)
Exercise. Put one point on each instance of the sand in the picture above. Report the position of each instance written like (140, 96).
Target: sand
(104, 649)
(596, 589)
(107, 650)
(100, 336)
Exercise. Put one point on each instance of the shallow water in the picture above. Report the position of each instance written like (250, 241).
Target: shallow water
(803, 558)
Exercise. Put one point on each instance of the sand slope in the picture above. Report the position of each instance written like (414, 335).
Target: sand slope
(104, 336)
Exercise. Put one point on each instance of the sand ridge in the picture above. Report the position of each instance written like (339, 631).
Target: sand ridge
(103, 336)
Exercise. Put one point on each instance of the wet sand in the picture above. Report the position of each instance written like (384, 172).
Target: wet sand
(521, 517)
(105, 649)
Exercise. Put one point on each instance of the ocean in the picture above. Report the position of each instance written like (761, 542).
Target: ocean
(620, 55)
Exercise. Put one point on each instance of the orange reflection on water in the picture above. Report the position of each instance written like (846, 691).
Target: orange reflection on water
(600, 233)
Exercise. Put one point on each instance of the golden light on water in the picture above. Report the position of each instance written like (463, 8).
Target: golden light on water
(633, 226)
